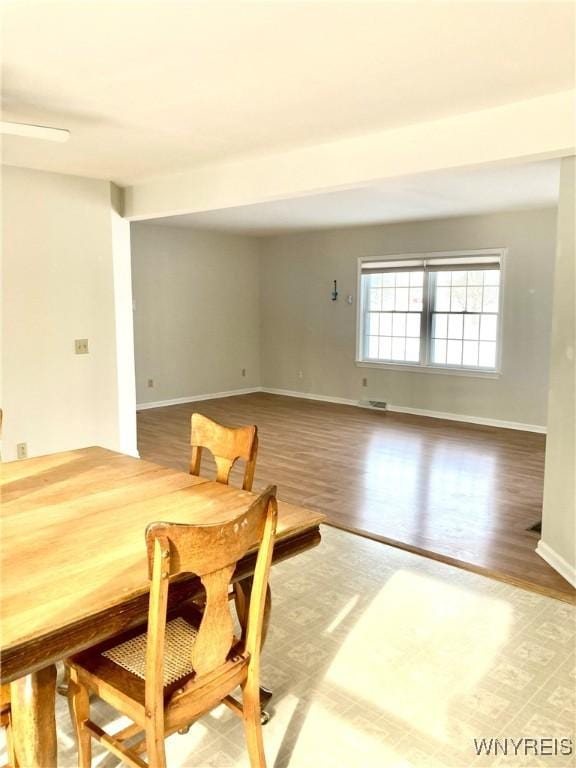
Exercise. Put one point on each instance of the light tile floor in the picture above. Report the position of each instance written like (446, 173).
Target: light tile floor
(383, 659)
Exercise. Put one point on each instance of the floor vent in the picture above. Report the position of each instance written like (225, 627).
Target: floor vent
(382, 404)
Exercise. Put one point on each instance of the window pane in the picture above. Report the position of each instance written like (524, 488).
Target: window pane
(385, 348)
(476, 277)
(488, 328)
(454, 352)
(471, 326)
(439, 351)
(388, 280)
(402, 279)
(455, 326)
(398, 348)
(416, 278)
(442, 303)
(413, 322)
(373, 347)
(490, 303)
(416, 299)
(375, 281)
(373, 325)
(388, 298)
(474, 299)
(440, 326)
(399, 324)
(413, 350)
(487, 356)
(375, 299)
(459, 278)
(443, 278)
(470, 353)
(386, 324)
(401, 304)
(458, 303)
(491, 277)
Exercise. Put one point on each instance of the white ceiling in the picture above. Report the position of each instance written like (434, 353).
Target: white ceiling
(429, 196)
(151, 88)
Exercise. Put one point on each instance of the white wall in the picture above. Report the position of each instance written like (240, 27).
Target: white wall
(125, 374)
(303, 330)
(58, 285)
(197, 314)
(558, 543)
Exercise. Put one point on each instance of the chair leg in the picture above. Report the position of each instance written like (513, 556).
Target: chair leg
(253, 724)
(12, 761)
(79, 703)
(155, 749)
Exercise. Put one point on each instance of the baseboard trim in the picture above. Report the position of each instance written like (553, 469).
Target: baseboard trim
(557, 562)
(469, 419)
(196, 398)
(413, 411)
(309, 396)
(356, 403)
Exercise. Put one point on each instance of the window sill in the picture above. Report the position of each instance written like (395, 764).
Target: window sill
(470, 372)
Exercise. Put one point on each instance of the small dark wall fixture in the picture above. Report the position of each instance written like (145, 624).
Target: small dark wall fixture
(335, 291)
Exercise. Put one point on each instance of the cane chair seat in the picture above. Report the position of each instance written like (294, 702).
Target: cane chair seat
(180, 636)
(124, 662)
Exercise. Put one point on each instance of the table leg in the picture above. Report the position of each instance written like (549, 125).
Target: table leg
(33, 719)
(242, 590)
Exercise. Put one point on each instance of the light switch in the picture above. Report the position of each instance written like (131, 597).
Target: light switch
(81, 346)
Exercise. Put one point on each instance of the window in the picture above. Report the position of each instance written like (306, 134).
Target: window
(437, 310)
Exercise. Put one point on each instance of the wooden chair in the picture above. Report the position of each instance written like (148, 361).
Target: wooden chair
(6, 722)
(5, 712)
(188, 661)
(227, 445)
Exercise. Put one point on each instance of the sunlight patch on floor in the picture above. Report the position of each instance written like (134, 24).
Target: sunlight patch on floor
(420, 646)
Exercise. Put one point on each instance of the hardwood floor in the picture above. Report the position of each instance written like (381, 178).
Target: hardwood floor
(461, 493)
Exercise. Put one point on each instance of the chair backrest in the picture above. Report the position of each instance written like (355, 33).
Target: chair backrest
(211, 552)
(226, 444)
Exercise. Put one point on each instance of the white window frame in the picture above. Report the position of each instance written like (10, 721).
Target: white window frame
(425, 366)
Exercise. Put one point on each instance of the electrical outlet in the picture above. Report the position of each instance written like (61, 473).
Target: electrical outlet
(150, 383)
(81, 346)
(243, 371)
(364, 382)
(22, 450)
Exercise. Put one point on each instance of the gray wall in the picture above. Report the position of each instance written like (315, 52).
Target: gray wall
(303, 331)
(197, 314)
(559, 517)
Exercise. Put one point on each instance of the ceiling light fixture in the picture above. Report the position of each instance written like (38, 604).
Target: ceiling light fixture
(34, 131)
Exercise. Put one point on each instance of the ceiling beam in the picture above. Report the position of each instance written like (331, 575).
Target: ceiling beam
(532, 130)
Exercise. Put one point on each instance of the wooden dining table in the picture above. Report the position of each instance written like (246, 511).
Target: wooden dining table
(73, 566)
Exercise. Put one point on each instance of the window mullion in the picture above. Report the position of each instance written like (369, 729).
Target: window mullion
(365, 316)
(364, 307)
(426, 322)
